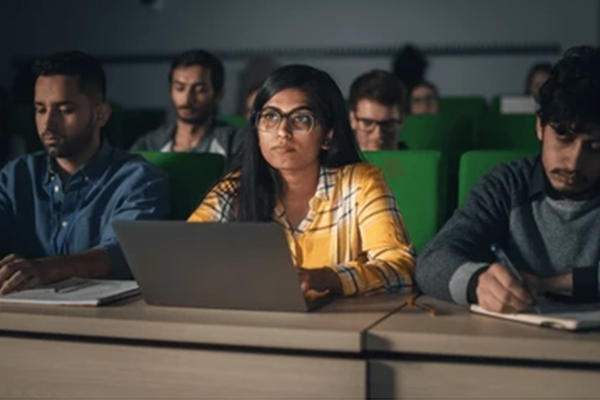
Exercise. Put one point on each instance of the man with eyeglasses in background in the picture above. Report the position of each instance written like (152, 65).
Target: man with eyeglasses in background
(424, 99)
(378, 102)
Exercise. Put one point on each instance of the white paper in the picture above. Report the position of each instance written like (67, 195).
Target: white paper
(79, 292)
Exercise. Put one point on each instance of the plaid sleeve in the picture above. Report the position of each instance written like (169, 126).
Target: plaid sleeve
(218, 205)
(387, 260)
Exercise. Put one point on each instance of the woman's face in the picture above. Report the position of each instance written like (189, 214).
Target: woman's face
(289, 134)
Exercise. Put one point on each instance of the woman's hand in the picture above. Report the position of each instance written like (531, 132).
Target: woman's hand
(316, 282)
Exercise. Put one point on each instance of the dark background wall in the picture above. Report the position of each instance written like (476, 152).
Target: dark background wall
(128, 29)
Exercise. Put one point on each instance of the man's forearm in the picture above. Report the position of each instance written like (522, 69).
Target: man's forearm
(88, 264)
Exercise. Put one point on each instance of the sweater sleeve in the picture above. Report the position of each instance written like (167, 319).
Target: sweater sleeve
(462, 248)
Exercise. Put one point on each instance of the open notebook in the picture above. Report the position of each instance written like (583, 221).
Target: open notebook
(76, 292)
(555, 315)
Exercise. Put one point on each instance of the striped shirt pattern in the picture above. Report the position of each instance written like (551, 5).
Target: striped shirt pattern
(353, 226)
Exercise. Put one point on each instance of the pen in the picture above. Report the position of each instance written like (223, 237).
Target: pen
(509, 266)
(73, 288)
(506, 263)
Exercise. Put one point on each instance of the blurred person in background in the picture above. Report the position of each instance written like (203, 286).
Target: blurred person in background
(250, 100)
(410, 66)
(196, 82)
(537, 75)
(377, 110)
(424, 99)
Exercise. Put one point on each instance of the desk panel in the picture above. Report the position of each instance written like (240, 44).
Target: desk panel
(338, 326)
(34, 368)
(447, 380)
(457, 332)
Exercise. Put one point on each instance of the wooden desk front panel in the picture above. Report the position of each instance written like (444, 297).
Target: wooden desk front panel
(390, 379)
(36, 368)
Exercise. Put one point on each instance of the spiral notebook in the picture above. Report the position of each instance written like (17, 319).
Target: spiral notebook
(76, 292)
(554, 315)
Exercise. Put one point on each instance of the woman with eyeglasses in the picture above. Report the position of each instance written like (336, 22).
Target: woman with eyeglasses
(301, 168)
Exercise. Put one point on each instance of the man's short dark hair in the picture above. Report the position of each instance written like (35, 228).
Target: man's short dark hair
(570, 99)
(379, 86)
(204, 59)
(92, 79)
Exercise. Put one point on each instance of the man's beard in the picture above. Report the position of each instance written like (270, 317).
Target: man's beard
(199, 116)
(70, 146)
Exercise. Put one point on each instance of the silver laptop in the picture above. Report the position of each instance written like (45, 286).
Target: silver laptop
(244, 266)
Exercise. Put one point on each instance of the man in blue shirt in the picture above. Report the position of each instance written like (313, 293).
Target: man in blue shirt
(56, 208)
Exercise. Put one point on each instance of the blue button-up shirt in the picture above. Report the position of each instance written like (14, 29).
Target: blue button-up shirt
(42, 216)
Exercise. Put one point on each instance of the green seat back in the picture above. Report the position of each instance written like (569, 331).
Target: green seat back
(414, 178)
(474, 164)
(451, 135)
(473, 107)
(443, 132)
(495, 105)
(237, 120)
(191, 175)
(507, 131)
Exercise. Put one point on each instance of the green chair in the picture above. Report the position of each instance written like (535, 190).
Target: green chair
(474, 107)
(474, 164)
(414, 178)
(237, 120)
(191, 175)
(446, 133)
(495, 105)
(451, 135)
(507, 131)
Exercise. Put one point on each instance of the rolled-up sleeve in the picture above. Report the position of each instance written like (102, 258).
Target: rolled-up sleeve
(388, 262)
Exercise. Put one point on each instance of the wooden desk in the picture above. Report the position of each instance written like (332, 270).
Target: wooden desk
(459, 355)
(137, 351)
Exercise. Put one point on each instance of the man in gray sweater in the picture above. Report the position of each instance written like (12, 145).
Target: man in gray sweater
(544, 211)
(197, 87)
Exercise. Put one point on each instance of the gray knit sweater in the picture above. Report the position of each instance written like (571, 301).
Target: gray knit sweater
(510, 205)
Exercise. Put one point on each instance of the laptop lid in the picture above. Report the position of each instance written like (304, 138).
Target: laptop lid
(212, 265)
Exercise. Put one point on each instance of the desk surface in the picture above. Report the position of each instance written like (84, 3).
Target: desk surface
(338, 326)
(457, 332)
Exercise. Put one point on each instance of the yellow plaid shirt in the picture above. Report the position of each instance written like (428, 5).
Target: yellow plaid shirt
(353, 226)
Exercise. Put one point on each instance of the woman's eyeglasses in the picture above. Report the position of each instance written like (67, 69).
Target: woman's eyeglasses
(300, 122)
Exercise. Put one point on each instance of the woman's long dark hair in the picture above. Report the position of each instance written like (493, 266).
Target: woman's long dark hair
(259, 183)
